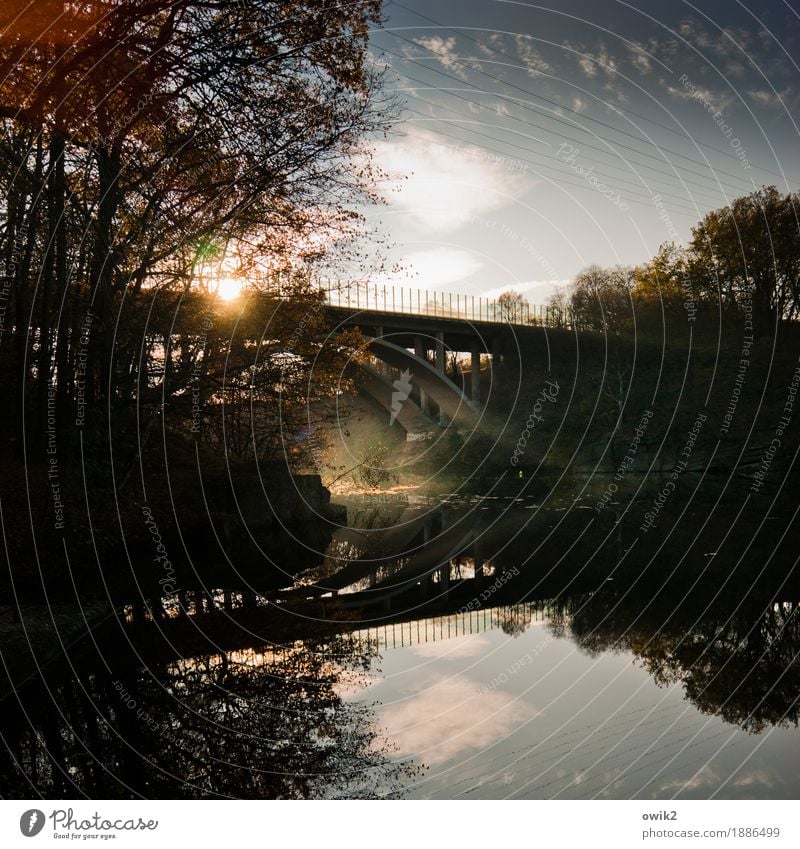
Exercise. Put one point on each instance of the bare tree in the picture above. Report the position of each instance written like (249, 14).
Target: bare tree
(513, 307)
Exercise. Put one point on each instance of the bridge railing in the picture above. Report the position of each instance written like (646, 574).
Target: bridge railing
(403, 300)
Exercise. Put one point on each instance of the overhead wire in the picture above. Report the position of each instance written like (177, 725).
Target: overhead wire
(626, 111)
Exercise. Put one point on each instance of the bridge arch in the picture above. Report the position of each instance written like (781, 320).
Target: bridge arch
(433, 382)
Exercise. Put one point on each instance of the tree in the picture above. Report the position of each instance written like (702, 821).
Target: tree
(513, 308)
(558, 309)
(152, 146)
(600, 299)
(749, 253)
(269, 721)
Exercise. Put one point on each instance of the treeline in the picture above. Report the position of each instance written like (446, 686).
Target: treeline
(150, 150)
(741, 263)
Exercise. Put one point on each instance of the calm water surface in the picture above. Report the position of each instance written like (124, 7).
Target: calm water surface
(466, 648)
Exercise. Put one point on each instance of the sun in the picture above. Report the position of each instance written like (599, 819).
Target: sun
(229, 288)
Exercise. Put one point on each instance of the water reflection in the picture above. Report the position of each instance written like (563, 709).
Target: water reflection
(270, 723)
(739, 662)
(479, 649)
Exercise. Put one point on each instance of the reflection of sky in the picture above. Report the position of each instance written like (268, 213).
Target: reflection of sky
(563, 725)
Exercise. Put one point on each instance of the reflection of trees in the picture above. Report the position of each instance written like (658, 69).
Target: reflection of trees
(244, 724)
(513, 620)
(741, 664)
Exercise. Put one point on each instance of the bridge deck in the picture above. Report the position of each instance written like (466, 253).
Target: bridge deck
(450, 306)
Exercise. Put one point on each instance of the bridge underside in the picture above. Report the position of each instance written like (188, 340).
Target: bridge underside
(411, 386)
(417, 423)
(419, 347)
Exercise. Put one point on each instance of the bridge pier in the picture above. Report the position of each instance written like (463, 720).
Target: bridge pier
(444, 577)
(478, 559)
(441, 364)
(382, 367)
(475, 373)
(420, 349)
(440, 360)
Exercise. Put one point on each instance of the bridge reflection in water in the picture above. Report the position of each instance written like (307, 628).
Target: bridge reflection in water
(607, 678)
(411, 632)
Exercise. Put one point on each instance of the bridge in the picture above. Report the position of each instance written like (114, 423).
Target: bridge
(412, 332)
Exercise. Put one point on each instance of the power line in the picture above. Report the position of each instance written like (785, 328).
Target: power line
(642, 184)
(647, 202)
(572, 125)
(627, 111)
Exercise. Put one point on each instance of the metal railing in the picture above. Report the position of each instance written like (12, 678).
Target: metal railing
(402, 300)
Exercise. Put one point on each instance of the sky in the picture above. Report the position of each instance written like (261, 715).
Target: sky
(536, 139)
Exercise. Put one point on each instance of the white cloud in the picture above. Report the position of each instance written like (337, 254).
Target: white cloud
(531, 57)
(438, 267)
(587, 66)
(536, 291)
(589, 63)
(440, 187)
(450, 718)
(771, 99)
(444, 50)
(640, 60)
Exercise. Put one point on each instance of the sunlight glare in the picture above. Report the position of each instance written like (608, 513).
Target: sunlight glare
(229, 288)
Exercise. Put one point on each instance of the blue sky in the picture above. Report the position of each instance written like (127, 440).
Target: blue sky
(535, 140)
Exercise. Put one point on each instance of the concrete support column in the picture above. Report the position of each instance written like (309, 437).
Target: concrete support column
(420, 350)
(477, 556)
(441, 365)
(383, 368)
(444, 577)
(475, 373)
(426, 531)
(440, 361)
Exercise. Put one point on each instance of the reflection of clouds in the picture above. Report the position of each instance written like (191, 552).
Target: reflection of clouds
(353, 685)
(757, 777)
(459, 647)
(754, 784)
(450, 718)
(706, 778)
